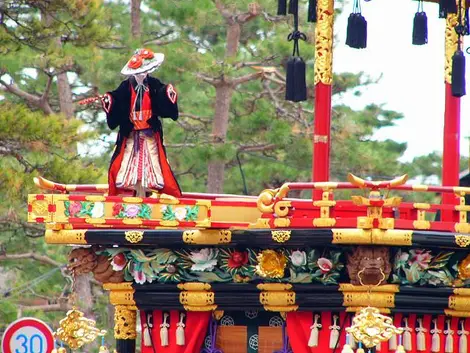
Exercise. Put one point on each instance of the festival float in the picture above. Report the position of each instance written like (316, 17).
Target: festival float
(190, 272)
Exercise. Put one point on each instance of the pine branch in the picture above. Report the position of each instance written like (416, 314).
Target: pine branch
(31, 255)
(195, 117)
(28, 97)
(48, 307)
(257, 148)
(245, 78)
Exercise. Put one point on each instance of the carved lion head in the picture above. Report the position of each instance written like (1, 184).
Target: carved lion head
(369, 265)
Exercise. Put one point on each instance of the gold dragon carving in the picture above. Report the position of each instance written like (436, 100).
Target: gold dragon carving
(324, 42)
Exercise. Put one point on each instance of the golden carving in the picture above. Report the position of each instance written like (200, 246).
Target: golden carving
(324, 222)
(271, 264)
(320, 138)
(464, 273)
(451, 44)
(351, 236)
(169, 223)
(372, 236)
(274, 286)
(386, 288)
(75, 330)
(462, 240)
(134, 236)
(353, 309)
(281, 208)
(459, 303)
(130, 199)
(364, 299)
(95, 198)
(207, 237)
(261, 223)
(122, 297)
(40, 208)
(392, 237)
(325, 185)
(277, 297)
(194, 286)
(265, 202)
(95, 220)
(455, 313)
(118, 286)
(280, 236)
(124, 323)
(371, 328)
(282, 222)
(132, 221)
(323, 65)
(465, 292)
(218, 314)
(65, 236)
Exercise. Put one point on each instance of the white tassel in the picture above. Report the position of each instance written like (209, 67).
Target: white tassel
(407, 342)
(400, 349)
(180, 341)
(347, 347)
(147, 338)
(463, 343)
(420, 337)
(436, 338)
(164, 331)
(313, 340)
(334, 335)
(449, 348)
(392, 343)
(352, 343)
(378, 347)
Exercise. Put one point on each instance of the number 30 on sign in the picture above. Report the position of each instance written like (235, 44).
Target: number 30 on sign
(28, 335)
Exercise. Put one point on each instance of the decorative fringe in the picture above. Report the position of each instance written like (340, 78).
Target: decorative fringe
(312, 11)
(356, 33)
(436, 338)
(463, 343)
(294, 7)
(421, 337)
(449, 347)
(347, 349)
(360, 350)
(378, 347)
(180, 341)
(400, 349)
(313, 340)
(392, 343)
(164, 330)
(458, 74)
(420, 27)
(446, 7)
(407, 341)
(281, 7)
(147, 327)
(352, 343)
(334, 335)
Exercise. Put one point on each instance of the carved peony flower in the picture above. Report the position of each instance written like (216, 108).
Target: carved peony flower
(132, 210)
(464, 268)
(421, 257)
(119, 262)
(146, 53)
(139, 277)
(117, 208)
(324, 264)
(74, 208)
(180, 213)
(237, 259)
(135, 62)
(98, 210)
(298, 258)
(271, 264)
(204, 259)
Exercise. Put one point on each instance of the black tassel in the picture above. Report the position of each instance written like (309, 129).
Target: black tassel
(282, 7)
(356, 35)
(420, 28)
(296, 86)
(467, 22)
(312, 11)
(446, 7)
(294, 7)
(458, 74)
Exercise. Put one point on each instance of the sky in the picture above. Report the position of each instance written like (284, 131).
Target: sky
(412, 76)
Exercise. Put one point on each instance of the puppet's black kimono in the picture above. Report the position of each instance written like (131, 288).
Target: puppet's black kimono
(139, 161)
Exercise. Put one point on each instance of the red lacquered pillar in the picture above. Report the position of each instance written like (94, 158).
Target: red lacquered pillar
(451, 149)
(323, 84)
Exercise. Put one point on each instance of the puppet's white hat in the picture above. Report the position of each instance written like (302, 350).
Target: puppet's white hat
(143, 60)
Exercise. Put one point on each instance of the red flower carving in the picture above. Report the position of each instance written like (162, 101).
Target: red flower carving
(74, 208)
(238, 259)
(146, 53)
(117, 208)
(135, 62)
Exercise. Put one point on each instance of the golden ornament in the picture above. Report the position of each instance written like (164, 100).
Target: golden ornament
(76, 330)
(271, 264)
(371, 328)
(464, 268)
